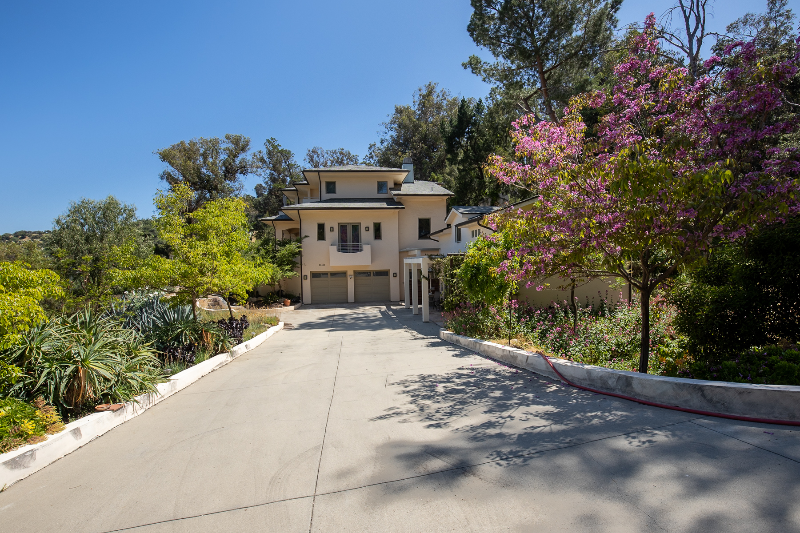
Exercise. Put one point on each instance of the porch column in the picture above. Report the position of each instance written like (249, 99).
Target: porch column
(406, 287)
(425, 283)
(414, 294)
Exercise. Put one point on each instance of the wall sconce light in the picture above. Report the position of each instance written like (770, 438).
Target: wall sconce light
(366, 228)
(331, 230)
(305, 276)
(351, 276)
(394, 274)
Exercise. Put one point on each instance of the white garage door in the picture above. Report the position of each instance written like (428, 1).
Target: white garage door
(372, 286)
(328, 287)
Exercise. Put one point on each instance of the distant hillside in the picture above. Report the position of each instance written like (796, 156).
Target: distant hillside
(22, 236)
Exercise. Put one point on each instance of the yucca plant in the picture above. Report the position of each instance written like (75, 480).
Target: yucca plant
(84, 359)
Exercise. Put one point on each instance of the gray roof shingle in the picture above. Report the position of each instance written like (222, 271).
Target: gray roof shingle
(421, 188)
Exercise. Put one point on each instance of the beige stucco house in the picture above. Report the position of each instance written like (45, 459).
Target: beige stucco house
(360, 223)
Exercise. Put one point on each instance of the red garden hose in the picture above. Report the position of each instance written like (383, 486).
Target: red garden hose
(665, 406)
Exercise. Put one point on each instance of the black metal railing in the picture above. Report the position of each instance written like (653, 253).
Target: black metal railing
(349, 247)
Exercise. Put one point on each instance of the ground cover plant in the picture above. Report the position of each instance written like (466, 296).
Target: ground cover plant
(608, 334)
(26, 423)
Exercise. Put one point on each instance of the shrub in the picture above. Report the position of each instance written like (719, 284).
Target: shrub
(26, 423)
(772, 364)
(83, 359)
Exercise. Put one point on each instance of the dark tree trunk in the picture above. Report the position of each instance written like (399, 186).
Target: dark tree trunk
(230, 311)
(573, 306)
(194, 307)
(644, 354)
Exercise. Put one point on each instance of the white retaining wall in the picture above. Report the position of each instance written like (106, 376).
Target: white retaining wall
(26, 460)
(772, 402)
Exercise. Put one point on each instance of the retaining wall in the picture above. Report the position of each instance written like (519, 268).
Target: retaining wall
(773, 402)
(26, 460)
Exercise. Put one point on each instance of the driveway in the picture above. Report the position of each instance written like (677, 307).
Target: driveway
(361, 419)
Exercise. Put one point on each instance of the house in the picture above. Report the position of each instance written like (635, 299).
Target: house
(463, 225)
(360, 223)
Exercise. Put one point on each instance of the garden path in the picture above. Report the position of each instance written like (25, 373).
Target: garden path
(361, 419)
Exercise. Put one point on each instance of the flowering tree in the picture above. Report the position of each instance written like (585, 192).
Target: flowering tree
(675, 166)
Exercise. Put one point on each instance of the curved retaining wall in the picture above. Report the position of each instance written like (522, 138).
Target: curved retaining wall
(774, 402)
(24, 461)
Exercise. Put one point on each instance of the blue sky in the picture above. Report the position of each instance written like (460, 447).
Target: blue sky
(90, 89)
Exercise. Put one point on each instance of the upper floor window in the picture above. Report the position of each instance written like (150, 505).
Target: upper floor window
(383, 187)
(321, 231)
(330, 187)
(376, 228)
(458, 234)
(424, 228)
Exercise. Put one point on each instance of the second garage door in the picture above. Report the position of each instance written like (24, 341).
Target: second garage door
(329, 287)
(372, 286)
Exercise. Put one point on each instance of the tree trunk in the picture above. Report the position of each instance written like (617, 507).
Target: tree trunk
(573, 306)
(228, 303)
(194, 307)
(644, 353)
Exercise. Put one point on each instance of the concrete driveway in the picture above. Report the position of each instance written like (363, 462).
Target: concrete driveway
(361, 419)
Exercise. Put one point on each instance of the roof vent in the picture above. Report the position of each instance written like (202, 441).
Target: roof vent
(408, 165)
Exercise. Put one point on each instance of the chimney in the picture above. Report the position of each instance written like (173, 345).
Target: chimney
(408, 165)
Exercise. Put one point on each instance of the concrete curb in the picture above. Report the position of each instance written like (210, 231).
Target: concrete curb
(24, 461)
(774, 402)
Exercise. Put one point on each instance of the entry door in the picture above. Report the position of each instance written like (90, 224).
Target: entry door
(349, 238)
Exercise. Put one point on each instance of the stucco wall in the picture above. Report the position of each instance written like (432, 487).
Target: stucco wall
(357, 185)
(433, 207)
(316, 254)
(592, 291)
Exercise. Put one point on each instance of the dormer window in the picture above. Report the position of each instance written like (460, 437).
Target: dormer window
(383, 187)
(330, 187)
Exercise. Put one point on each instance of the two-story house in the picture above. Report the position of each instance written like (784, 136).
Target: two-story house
(360, 222)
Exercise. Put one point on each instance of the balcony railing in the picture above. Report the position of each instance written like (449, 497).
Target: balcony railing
(349, 247)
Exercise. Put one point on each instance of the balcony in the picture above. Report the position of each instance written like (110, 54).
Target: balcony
(350, 254)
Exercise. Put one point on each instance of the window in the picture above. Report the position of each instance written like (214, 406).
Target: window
(321, 231)
(383, 187)
(330, 187)
(376, 228)
(424, 228)
(458, 234)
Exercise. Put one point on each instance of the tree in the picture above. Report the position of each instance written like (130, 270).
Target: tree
(29, 251)
(546, 50)
(282, 254)
(22, 291)
(82, 241)
(470, 137)
(319, 157)
(277, 169)
(212, 168)
(769, 31)
(207, 246)
(415, 131)
(677, 166)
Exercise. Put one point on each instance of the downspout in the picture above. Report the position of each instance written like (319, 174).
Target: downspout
(300, 219)
(319, 179)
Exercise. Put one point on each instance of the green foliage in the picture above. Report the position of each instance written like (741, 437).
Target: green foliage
(480, 275)
(27, 251)
(415, 131)
(26, 423)
(171, 329)
(772, 365)
(608, 335)
(211, 168)
(83, 244)
(21, 293)
(446, 270)
(746, 294)
(282, 254)
(547, 51)
(83, 359)
(277, 169)
(470, 137)
(207, 246)
(318, 157)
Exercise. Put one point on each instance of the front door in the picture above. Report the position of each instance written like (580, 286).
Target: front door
(349, 238)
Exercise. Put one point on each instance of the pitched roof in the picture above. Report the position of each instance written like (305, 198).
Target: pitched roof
(279, 217)
(353, 168)
(347, 203)
(475, 209)
(421, 188)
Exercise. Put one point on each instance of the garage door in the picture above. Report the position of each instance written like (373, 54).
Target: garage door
(328, 287)
(372, 286)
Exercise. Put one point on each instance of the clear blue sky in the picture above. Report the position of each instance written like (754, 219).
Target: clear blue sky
(90, 89)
